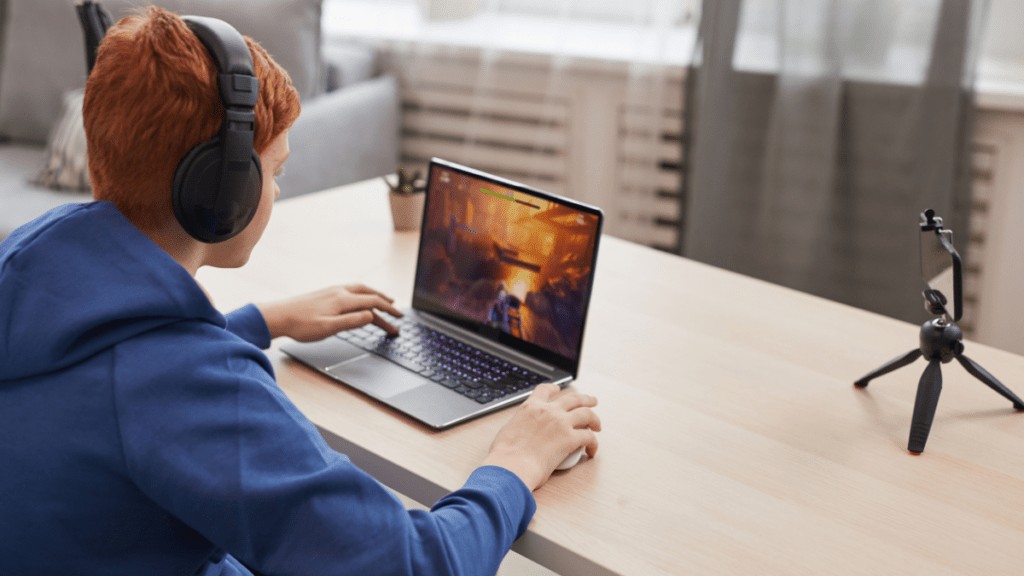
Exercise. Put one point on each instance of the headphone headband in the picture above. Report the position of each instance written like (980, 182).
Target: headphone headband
(223, 42)
(237, 80)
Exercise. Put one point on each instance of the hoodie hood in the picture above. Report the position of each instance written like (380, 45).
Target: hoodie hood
(81, 279)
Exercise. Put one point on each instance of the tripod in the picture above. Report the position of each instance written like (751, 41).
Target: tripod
(941, 342)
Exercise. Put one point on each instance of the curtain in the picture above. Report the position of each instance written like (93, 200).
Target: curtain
(818, 130)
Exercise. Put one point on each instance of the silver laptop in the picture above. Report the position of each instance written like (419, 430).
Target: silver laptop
(503, 282)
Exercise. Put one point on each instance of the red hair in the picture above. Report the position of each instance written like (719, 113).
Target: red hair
(151, 97)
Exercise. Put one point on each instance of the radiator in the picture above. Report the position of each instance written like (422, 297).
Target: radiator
(515, 136)
(606, 136)
(650, 161)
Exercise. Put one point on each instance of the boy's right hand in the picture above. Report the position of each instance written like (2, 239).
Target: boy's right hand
(543, 431)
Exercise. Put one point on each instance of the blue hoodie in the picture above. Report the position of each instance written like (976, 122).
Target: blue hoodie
(142, 432)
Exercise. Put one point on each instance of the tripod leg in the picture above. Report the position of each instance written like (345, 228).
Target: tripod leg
(895, 364)
(928, 390)
(980, 373)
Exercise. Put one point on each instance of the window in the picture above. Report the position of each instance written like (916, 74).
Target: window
(676, 11)
(673, 12)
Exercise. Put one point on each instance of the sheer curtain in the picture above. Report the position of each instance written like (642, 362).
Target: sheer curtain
(819, 130)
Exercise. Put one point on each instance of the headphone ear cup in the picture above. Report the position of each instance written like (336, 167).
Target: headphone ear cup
(206, 212)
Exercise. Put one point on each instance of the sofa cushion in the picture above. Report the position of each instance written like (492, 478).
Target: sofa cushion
(288, 29)
(342, 137)
(43, 51)
(348, 63)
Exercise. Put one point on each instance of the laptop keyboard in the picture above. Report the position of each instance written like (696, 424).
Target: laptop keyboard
(449, 362)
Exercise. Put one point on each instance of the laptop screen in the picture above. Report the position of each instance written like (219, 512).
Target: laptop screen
(507, 261)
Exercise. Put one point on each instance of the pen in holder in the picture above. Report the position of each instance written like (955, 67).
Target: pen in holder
(407, 197)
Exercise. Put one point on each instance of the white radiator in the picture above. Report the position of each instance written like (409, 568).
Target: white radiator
(518, 137)
(609, 136)
(650, 162)
(984, 159)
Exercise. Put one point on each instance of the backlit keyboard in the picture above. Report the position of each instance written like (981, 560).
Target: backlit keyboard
(451, 363)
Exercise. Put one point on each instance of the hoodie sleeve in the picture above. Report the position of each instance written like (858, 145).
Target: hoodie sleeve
(248, 324)
(210, 437)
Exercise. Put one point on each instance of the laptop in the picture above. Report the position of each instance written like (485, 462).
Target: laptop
(503, 282)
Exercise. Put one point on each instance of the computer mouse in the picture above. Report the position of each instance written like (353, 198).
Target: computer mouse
(571, 460)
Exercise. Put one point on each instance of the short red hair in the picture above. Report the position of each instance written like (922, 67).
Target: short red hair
(151, 97)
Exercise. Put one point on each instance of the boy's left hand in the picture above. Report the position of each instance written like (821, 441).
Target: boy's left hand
(315, 316)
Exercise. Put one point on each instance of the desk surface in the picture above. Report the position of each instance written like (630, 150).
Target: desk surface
(734, 441)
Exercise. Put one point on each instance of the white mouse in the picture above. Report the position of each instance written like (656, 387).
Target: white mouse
(571, 460)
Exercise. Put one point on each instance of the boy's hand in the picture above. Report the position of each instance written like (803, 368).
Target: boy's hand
(544, 430)
(315, 316)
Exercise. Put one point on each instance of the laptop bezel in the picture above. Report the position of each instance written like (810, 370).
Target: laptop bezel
(421, 303)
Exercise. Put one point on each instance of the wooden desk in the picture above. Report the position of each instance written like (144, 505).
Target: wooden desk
(734, 441)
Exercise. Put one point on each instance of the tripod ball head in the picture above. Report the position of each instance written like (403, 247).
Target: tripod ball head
(941, 340)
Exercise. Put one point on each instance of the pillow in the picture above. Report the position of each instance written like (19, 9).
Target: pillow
(43, 53)
(67, 166)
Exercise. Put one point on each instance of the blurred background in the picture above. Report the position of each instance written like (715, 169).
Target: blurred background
(791, 140)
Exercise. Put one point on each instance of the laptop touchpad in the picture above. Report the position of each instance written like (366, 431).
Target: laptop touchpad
(327, 352)
(376, 376)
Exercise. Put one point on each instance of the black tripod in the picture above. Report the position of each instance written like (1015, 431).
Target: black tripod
(941, 342)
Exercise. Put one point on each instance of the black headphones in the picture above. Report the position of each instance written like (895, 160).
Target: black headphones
(218, 184)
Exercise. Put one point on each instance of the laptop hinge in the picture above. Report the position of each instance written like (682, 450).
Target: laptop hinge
(476, 339)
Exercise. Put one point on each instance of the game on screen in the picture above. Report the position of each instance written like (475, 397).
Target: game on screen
(507, 259)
